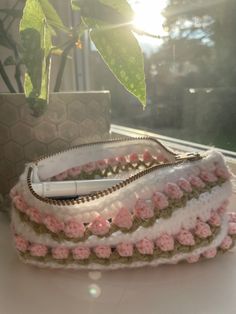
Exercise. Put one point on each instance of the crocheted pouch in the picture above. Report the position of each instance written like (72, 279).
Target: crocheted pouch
(164, 208)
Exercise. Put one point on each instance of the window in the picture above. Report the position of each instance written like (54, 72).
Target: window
(190, 72)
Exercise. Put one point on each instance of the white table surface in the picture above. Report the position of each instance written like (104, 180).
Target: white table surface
(205, 287)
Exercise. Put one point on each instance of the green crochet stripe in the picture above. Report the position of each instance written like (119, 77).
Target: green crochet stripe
(136, 257)
(137, 222)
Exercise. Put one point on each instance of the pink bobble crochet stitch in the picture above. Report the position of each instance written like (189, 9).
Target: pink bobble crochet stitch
(215, 219)
(208, 176)
(20, 243)
(123, 219)
(103, 251)
(173, 191)
(196, 182)
(121, 160)
(81, 253)
(160, 200)
(147, 157)
(185, 237)
(61, 176)
(53, 224)
(101, 164)
(221, 210)
(210, 253)
(99, 226)
(184, 185)
(232, 217)
(20, 203)
(89, 167)
(193, 259)
(133, 158)
(74, 229)
(143, 209)
(38, 250)
(13, 192)
(73, 172)
(222, 173)
(161, 157)
(226, 243)
(112, 161)
(165, 242)
(232, 228)
(60, 252)
(125, 249)
(34, 214)
(145, 246)
(202, 230)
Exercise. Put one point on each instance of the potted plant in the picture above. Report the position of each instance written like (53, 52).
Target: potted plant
(36, 128)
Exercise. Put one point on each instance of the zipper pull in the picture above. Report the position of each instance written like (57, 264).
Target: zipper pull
(188, 157)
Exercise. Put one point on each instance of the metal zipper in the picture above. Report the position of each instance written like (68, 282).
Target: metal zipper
(180, 158)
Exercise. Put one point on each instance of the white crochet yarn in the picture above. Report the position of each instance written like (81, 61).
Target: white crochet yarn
(108, 206)
(175, 259)
(127, 195)
(183, 217)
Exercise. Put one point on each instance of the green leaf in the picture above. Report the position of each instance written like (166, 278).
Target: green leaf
(109, 21)
(53, 19)
(122, 6)
(12, 12)
(36, 43)
(121, 52)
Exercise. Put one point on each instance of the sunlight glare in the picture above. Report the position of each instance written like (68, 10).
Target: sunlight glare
(148, 17)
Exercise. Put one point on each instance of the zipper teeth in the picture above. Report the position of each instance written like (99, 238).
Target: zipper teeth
(106, 142)
(107, 191)
(98, 194)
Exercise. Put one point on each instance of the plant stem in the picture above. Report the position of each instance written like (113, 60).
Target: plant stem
(18, 79)
(13, 46)
(18, 71)
(13, 7)
(62, 66)
(6, 79)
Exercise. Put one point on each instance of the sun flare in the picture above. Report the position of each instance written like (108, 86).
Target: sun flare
(148, 16)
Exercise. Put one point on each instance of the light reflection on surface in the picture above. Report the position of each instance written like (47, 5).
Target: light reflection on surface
(94, 290)
(95, 275)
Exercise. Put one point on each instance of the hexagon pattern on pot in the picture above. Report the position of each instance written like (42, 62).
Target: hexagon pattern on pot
(71, 119)
(45, 132)
(69, 130)
(21, 133)
(57, 114)
(6, 169)
(34, 150)
(13, 151)
(58, 145)
(4, 134)
(27, 117)
(8, 114)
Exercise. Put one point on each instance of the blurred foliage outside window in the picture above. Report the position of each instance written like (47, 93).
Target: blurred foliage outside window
(190, 75)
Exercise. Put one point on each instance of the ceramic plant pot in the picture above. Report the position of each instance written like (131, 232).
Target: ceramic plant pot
(71, 119)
